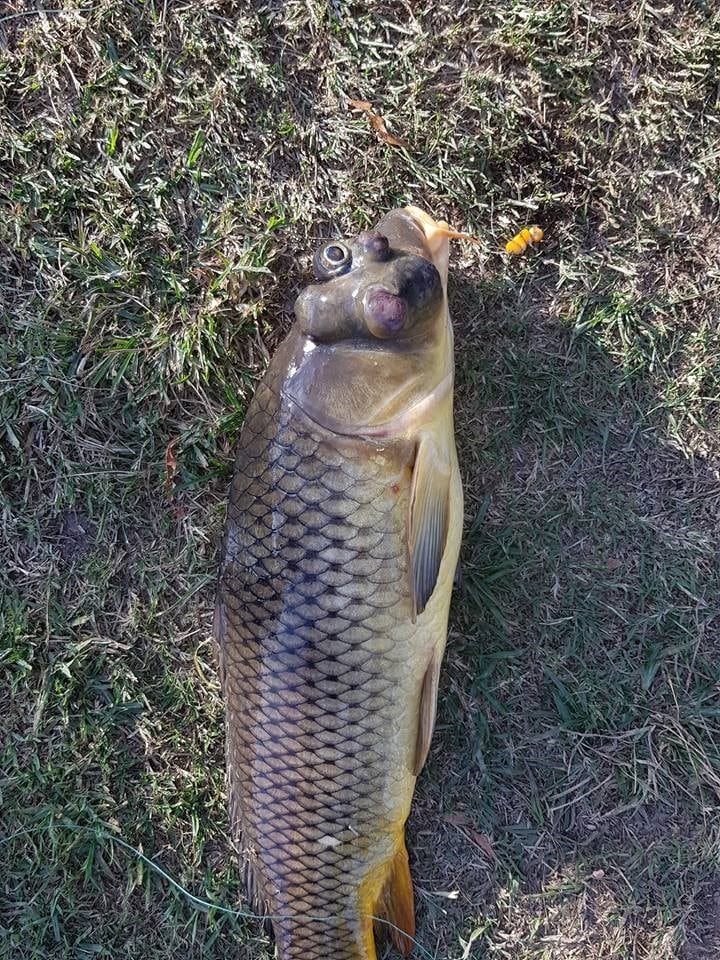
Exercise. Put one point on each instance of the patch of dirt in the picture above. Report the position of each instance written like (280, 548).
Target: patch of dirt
(77, 535)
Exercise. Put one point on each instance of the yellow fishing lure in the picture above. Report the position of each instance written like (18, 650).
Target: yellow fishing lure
(521, 241)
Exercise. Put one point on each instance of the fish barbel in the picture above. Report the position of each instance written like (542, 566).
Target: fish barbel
(341, 544)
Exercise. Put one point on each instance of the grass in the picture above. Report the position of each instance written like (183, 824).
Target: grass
(165, 172)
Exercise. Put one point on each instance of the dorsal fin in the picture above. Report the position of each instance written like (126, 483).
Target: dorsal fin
(253, 885)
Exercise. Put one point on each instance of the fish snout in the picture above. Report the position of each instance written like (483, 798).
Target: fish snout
(324, 317)
(403, 232)
(384, 284)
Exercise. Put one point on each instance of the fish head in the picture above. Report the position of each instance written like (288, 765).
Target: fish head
(383, 285)
(372, 341)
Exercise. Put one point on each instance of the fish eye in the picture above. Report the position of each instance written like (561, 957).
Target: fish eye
(334, 253)
(331, 260)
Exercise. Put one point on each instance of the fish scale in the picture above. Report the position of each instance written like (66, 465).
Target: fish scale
(313, 668)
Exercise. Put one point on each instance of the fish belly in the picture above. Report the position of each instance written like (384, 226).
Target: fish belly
(322, 669)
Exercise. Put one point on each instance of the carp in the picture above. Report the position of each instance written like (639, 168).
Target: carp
(341, 543)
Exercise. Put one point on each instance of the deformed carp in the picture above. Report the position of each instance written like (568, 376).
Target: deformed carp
(341, 544)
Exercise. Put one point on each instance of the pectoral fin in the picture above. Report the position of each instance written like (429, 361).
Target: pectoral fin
(429, 515)
(219, 635)
(428, 709)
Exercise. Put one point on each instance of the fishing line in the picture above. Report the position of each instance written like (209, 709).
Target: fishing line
(99, 833)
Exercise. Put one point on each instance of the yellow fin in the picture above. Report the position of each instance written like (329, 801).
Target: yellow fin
(428, 708)
(429, 515)
(396, 903)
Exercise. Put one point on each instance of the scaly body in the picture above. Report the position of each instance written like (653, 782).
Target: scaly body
(326, 657)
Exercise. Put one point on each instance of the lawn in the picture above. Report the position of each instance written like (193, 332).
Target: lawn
(166, 171)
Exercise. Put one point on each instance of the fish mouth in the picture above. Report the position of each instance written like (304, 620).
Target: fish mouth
(412, 230)
(436, 235)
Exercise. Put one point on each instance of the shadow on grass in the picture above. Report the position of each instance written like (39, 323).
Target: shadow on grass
(575, 771)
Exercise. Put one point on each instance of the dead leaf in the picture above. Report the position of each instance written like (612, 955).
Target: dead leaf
(484, 843)
(378, 124)
(464, 824)
(170, 466)
(458, 819)
(613, 563)
(237, 286)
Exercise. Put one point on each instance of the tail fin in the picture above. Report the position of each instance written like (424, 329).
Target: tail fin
(396, 903)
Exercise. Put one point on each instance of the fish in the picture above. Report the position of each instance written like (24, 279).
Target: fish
(524, 239)
(341, 544)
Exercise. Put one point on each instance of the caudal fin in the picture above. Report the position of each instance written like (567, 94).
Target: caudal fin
(396, 903)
